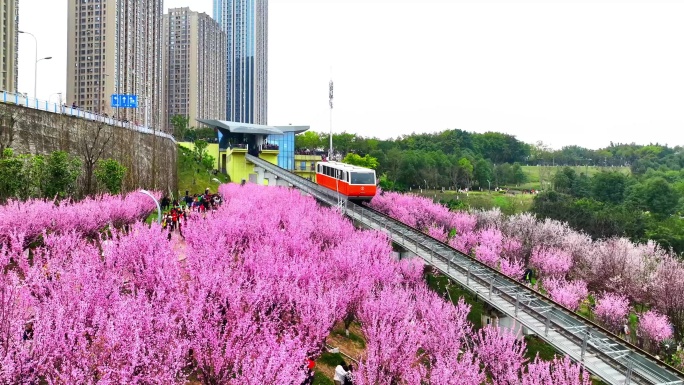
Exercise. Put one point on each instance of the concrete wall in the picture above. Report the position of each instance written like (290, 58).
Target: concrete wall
(151, 160)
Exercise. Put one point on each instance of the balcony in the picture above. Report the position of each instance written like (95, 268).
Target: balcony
(241, 147)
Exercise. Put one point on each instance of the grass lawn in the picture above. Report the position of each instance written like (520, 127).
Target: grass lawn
(536, 345)
(536, 175)
(507, 203)
(194, 177)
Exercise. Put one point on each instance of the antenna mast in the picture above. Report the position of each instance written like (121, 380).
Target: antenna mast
(330, 154)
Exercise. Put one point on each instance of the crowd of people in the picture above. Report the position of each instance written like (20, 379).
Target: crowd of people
(175, 213)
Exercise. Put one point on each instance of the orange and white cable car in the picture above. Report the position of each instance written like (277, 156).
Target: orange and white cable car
(354, 182)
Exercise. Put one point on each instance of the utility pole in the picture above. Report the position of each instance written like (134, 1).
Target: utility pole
(330, 154)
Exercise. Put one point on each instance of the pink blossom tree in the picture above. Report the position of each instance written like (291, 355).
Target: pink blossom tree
(612, 310)
(551, 262)
(654, 327)
(502, 354)
(560, 371)
(567, 293)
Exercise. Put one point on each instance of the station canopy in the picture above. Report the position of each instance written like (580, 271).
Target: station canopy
(248, 128)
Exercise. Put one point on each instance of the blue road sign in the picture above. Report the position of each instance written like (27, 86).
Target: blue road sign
(124, 101)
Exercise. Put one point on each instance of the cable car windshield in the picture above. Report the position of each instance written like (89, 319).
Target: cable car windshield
(362, 178)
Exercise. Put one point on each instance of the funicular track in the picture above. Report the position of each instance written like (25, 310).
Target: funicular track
(604, 354)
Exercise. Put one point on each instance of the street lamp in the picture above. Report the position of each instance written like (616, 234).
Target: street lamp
(35, 67)
(159, 215)
(35, 84)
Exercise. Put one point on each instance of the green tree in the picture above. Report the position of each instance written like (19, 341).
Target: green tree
(12, 176)
(200, 149)
(518, 175)
(180, 126)
(208, 161)
(392, 165)
(465, 172)
(502, 172)
(483, 173)
(564, 179)
(667, 232)
(342, 143)
(61, 173)
(660, 198)
(609, 187)
(34, 174)
(385, 183)
(110, 174)
(581, 186)
(308, 140)
(356, 160)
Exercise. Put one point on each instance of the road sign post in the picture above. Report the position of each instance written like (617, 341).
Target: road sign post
(124, 101)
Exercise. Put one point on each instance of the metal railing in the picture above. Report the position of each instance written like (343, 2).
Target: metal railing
(56, 108)
(603, 353)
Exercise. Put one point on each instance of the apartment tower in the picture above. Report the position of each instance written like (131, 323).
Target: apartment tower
(246, 25)
(10, 44)
(194, 66)
(115, 47)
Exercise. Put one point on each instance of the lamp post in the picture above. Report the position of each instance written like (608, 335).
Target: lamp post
(35, 82)
(159, 215)
(35, 67)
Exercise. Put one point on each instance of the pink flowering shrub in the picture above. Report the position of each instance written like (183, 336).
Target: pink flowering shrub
(560, 371)
(512, 267)
(551, 262)
(34, 217)
(612, 310)
(567, 293)
(489, 249)
(438, 233)
(501, 353)
(654, 326)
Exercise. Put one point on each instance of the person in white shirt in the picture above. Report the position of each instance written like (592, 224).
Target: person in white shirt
(340, 374)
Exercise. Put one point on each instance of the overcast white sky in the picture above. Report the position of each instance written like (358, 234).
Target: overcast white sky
(574, 72)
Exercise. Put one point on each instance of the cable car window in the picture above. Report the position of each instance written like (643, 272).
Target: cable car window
(362, 178)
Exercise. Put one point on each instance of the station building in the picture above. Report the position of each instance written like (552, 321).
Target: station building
(274, 144)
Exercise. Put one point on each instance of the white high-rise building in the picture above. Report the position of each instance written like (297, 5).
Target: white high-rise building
(115, 47)
(246, 25)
